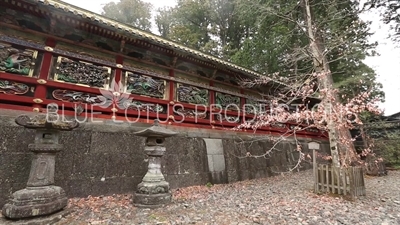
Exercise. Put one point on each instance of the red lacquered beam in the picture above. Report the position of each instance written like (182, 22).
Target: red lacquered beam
(18, 78)
(90, 90)
(15, 107)
(16, 98)
(72, 87)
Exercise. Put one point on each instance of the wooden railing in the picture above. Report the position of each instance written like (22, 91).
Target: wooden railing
(336, 180)
(44, 74)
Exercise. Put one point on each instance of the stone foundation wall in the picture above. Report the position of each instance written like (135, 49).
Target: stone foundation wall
(106, 158)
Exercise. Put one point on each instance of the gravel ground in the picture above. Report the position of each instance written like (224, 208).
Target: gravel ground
(286, 199)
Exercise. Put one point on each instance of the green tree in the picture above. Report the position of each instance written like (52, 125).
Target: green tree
(131, 12)
(164, 20)
(211, 26)
(279, 42)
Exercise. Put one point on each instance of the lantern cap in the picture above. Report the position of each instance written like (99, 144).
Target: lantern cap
(156, 131)
(42, 121)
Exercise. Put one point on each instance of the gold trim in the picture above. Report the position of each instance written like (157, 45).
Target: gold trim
(114, 110)
(41, 81)
(171, 117)
(120, 66)
(37, 100)
(172, 103)
(36, 109)
(49, 49)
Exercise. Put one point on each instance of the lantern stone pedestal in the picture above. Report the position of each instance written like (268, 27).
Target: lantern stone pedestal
(40, 197)
(154, 190)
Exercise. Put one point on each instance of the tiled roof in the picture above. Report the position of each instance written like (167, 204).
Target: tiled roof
(145, 35)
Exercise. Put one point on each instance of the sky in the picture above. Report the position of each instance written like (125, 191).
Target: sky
(387, 65)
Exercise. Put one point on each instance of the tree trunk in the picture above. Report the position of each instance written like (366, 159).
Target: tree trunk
(321, 65)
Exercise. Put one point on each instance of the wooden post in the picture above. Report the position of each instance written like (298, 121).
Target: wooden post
(41, 89)
(315, 170)
(171, 96)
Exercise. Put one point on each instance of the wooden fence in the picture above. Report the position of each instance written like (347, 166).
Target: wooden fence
(336, 180)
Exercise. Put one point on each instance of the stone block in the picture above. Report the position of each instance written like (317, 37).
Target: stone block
(15, 139)
(214, 146)
(219, 163)
(37, 201)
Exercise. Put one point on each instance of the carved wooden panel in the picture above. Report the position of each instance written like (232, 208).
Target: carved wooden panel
(145, 85)
(227, 102)
(17, 60)
(193, 95)
(82, 73)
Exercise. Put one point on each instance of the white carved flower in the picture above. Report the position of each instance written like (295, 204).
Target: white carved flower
(114, 97)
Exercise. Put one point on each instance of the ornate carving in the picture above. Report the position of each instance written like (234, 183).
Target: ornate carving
(143, 190)
(75, 96)
(136, 69)
(226, 118)
(253, 106)
(13, 88)
(191, 113)
(145, 85)
(227, 102)
(144, 106)
(191, 94)
(278, 125)
(152, 190)
(312, 130)
(18, 61)
(84, 73)
(9, 19)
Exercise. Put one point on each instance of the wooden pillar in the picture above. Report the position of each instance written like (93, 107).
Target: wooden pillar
(118, 72)
(116, 81)
(211, 101)
(171, 95)
(41, 89)
(242, 103)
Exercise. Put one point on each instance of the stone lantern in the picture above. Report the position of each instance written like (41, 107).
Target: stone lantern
(41, 197)
(154, 190)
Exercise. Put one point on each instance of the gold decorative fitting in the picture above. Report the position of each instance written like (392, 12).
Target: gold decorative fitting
(117, 94)
(114, 110)
(169, 123)
(41, 81)
(213, 121)
(113, 117)
(172, 102)
(49, 49)
(36, 109)
(119, 66)
(37, 100)
(171, 117)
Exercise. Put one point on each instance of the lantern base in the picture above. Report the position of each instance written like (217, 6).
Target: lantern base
(35, 201)
(151, 200)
